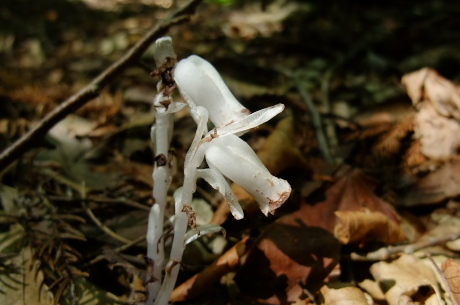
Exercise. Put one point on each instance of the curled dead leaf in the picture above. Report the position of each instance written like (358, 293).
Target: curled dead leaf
(407, 280)
(435, 187)
(361, 226)
(343, 294)
(437, 121)
(287, 259)
(353, 190)
(451, 271)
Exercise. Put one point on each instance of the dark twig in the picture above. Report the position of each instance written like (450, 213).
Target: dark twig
(93, 89)
(127, 202)
(316, 119)
(387, 252)
(101, 226)
(119, 249)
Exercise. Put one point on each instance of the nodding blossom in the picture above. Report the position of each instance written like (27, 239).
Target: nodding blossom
(226, 154)
(236, 160)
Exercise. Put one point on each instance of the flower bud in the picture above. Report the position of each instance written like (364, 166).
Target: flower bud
(163, 51)
(199, 83)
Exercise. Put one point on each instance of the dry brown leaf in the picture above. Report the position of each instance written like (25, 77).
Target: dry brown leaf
(255, 21)
(451, 271)
(437, 120)
(407, 280)
(286, 260)
(426, 85)
(373, 289)
(436, 186)
(414, 160)
(392, 142)
(388, 113)
(352, 191)
(343, 294)
(103, 107)
(27, 286)
(446, 225)
(201, 282)
(361, 226)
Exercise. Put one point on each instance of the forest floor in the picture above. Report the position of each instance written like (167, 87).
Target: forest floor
(369, 141)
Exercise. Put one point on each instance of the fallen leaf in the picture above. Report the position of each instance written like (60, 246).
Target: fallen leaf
(451, 271)
(373, 289)
(201, 282)
(407, 280)
(361, 226)
(434, 187)
(287, 259)
(388, 113)
(438, 112)
(342, 294)
(391, 143)
(353, 190)
(446, 225)
(25, 287)
(255, 21)
(427, 86)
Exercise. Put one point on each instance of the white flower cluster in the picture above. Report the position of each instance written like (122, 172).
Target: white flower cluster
(226, 154)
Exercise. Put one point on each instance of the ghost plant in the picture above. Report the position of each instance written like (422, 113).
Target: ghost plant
(226, 155)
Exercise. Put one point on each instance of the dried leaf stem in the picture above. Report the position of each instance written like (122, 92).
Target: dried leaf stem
(441, 275)
(387, 252)
(316, 118)
(118, 249)
(103, 227)
(127, 202)
(93, 89)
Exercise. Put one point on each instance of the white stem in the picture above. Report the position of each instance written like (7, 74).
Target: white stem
(178, 246)
(161, 138)
(161, 179)
(192, 162)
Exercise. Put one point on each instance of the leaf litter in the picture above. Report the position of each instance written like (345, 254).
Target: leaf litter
(76, 203)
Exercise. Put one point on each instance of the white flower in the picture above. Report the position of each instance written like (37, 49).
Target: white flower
(200, 84)
(236, 160)
(227, 155)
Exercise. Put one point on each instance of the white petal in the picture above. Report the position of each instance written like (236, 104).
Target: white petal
(218, 182)
(204, 230)
(255, 119)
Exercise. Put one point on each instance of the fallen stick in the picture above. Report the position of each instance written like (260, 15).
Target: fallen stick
(386, 253)
(93, 89)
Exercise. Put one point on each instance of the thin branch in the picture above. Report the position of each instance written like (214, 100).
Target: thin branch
(103, 227)
(119, 249)
(387, 252)
(325, 82)
(316, 118)
(127, 202)
(93, 89)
